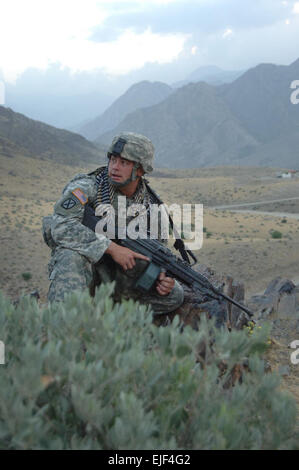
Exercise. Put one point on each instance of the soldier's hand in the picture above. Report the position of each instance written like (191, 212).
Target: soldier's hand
(164, 284)
(124, 256)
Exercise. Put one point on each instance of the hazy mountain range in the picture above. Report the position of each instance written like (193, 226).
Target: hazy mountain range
(192, 127)
(249, 121)
(70, 101)
(210, 74)
(140, 95)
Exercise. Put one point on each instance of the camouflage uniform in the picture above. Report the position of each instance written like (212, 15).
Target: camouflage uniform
(78, 260)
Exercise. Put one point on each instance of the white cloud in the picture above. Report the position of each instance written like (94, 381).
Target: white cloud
(296, 8)
(37, 33)
(227, 33)
(130, 51)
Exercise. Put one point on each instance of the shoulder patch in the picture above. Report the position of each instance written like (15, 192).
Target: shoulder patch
(68, 203)
(79, 194)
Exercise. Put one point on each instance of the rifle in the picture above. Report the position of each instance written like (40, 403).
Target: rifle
(162, 258)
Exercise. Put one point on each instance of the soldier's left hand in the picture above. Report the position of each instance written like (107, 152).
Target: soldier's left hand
(164, 284)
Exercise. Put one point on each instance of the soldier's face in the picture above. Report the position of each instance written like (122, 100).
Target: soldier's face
(119, 169)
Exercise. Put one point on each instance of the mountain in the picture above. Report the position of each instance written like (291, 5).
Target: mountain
(193, 127)
(21, 135)
(250, 121)
(279, 152)
(260, 99)
(140, 95)
(210, 74)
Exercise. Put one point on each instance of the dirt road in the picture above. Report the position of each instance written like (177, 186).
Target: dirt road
(257, 203)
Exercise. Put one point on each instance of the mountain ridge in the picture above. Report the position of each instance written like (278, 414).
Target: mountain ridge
(139, 95)
(249, 121)
(20, 134)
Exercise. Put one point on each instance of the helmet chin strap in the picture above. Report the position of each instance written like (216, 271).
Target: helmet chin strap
(133, 177)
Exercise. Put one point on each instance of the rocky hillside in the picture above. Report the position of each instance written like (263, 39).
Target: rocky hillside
(20, 135)
(260, 99)
(140, 95)
(193, 127)
(250, 121)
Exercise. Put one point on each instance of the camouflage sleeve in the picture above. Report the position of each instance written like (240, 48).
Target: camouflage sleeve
(67, 229)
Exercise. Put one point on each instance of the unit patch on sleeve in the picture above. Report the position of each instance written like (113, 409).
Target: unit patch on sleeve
(68, 203)
(80, 196)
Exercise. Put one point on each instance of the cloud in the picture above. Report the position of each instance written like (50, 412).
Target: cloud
(128, 52)
(37, 34)
(227, 33)
(296, 8)
(276, 43)
(120, 37)
(191, 16)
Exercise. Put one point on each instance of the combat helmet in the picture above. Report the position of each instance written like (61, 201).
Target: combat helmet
(134, 147)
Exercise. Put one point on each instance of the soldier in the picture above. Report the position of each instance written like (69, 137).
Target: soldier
(81, 258)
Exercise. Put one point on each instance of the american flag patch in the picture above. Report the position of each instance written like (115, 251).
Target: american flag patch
(80, 195)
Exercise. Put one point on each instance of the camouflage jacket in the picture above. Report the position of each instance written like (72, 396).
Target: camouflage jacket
(64, 229)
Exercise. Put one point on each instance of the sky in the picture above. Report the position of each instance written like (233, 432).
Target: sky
(81, 46)
(118, 37)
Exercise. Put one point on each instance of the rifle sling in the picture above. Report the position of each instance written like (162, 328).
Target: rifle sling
(179, 244)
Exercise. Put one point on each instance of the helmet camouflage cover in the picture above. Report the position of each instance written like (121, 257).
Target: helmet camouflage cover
(134, 147)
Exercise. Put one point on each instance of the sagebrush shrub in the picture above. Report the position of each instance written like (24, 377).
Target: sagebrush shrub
(91, 374)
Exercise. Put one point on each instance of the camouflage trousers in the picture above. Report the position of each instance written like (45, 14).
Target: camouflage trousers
(69, 271)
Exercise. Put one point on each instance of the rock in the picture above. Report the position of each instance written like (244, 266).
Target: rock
(287, 306)
(278, 301)
(263, 305)
(281, 286)
(238, 318)
(296, 294)
(284, 371)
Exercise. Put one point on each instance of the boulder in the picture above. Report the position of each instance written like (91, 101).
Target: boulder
(280, 300)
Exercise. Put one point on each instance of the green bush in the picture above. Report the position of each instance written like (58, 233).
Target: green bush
(26, 276)
(88, 374)
(276, 234)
